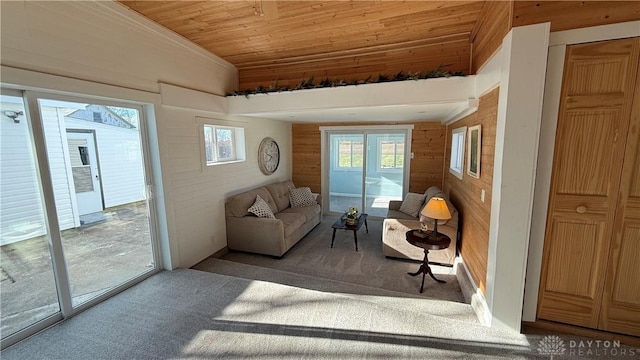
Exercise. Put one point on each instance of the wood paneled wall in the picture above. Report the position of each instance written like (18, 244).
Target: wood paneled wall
(428, 146)
(305, 156)
(565, 15)
(475, 215)
(423, 56)
(498, 17)
(492, 26)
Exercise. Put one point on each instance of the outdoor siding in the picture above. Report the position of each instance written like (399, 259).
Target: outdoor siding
(19, 193)
(120, 161)
(56, 138)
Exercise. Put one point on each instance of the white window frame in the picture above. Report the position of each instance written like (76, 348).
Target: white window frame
(395, 142)
(351, 167)
(456, 163)
(237, 145)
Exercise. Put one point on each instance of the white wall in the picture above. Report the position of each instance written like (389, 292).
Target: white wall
(104, 42)
(198, 191)
(93, 45)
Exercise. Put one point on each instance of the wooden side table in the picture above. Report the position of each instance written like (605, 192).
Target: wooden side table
(430, 241)
(340, 224)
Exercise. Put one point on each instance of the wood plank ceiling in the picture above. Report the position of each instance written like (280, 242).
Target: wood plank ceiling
(293, 40)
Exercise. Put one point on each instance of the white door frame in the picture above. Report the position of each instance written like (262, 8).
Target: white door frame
(325, 131)
(60, 272)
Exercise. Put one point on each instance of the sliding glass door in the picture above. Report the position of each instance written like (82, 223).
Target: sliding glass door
(28, 284)
(75, 213)
(367, 168)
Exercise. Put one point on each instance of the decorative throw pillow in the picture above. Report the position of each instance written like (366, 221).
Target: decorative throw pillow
(260, 208)
(301, 197)
(412, 204)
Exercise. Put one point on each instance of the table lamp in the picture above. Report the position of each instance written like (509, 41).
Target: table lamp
(436, 209)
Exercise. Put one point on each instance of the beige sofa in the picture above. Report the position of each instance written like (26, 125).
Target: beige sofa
(246, 232)
(396, 224)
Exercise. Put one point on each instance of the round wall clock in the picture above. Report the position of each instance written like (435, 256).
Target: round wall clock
(268, 156)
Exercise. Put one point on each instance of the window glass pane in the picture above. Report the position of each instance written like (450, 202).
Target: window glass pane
(208, 143)
(100, 197)
(224, 143)
(387, 154)
(357, 154)
(400, 154)
(344, 154)
(28, 287)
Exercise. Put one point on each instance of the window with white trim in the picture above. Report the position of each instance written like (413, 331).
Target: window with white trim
(457, 151)
(350, 154)
(223, 144)
(391, 153)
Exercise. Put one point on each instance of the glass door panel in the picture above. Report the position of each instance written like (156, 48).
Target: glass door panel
(27, 283)
(384, 172)
(345, 171)
(97, 169)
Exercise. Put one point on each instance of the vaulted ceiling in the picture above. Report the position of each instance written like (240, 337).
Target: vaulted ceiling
(294, 40)
(347, 39)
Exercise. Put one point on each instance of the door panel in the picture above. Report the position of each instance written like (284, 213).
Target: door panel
(586, 167)
(84, 168)
(593, 124)
(27, 282)
(621, 299)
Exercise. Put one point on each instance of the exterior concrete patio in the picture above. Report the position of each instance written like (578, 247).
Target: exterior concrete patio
(98, 255)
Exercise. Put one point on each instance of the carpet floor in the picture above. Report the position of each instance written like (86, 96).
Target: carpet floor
(313, 256)
(191, 314)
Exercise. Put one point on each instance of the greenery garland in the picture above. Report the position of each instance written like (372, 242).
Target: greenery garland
(326, 82)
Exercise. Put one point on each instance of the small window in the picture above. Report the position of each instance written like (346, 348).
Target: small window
(457, 151)
(350, 154)
(391, 154)
(223, 144)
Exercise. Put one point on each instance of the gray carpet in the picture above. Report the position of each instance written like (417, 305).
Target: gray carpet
(313, 256)
(190, 314)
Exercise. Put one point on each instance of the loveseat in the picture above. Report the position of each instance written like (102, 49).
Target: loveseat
(397, 223)
(269, 236)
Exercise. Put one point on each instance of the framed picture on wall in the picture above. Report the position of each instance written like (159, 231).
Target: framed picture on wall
(473, 153)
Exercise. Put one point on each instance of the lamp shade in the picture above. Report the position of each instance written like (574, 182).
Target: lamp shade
(436, 209)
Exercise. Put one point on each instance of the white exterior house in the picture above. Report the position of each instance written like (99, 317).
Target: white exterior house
(95, 159)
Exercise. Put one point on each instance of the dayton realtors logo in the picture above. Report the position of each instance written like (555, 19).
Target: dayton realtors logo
(553, 345)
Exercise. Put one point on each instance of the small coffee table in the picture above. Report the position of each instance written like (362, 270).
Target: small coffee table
(340, 224)
(431, 241)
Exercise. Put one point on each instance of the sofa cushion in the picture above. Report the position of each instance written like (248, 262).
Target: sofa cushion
(412, 204)
(395, 214)
(301, 197)
(239, 204)
(291, 221)
(260, 208)
(309, 212)
(280, 193)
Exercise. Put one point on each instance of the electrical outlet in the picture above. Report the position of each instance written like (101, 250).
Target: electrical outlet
(412, 155)
(482, 195)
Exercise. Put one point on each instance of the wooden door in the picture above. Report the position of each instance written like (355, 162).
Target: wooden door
(621, 299)
(593, 123)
